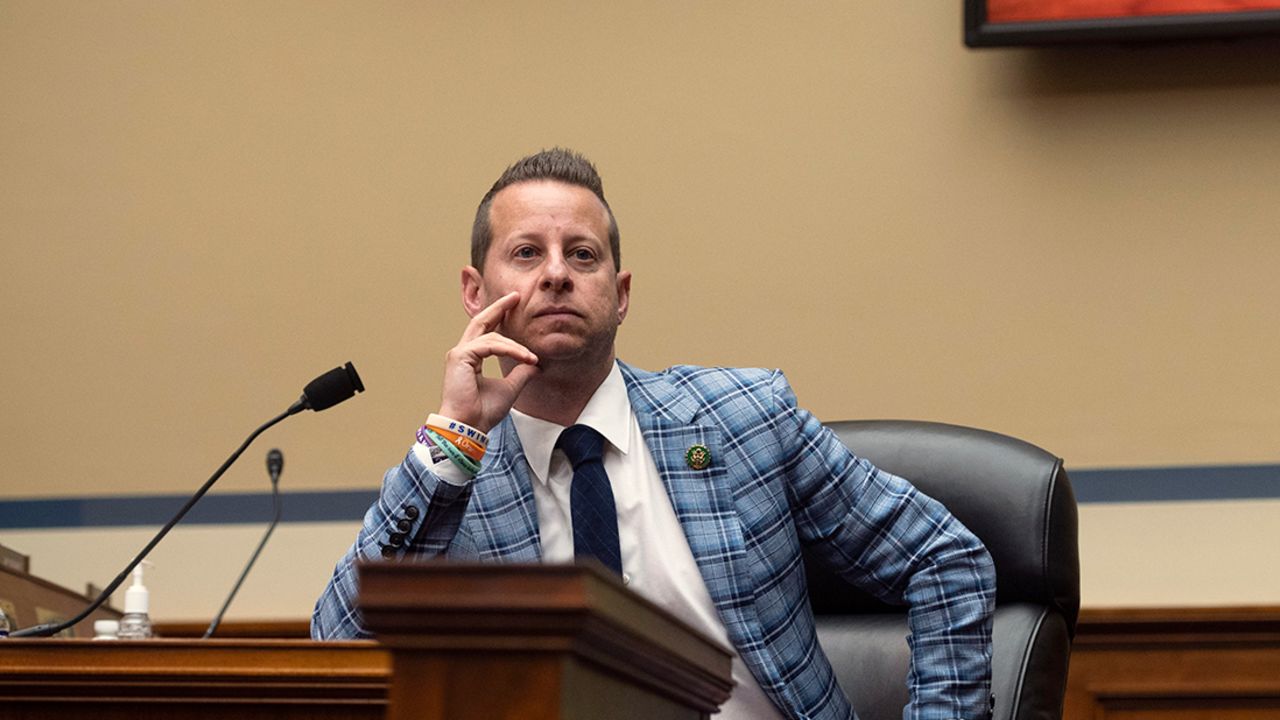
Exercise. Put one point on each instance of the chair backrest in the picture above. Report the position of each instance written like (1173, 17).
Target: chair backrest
(1018, 500)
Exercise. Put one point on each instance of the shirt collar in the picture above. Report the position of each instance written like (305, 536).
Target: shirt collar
(608, 412)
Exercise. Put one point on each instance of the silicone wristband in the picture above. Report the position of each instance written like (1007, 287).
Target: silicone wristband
(446, 423)
(469, 447)
(463, 462)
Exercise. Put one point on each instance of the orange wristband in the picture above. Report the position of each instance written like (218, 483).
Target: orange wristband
(458, 428)
(469, 447)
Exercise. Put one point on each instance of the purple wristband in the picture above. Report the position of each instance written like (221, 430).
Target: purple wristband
(437, 455)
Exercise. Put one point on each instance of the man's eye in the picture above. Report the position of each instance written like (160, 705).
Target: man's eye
(583, 255)
(525, 252)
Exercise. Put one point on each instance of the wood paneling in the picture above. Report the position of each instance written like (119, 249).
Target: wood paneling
(1176, 664)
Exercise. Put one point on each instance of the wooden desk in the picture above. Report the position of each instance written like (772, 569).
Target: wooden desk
(46, 679)
(468, 642)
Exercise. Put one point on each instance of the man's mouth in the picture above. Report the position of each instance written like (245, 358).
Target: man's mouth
(557, 310)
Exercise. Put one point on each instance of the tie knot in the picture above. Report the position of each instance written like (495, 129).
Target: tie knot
(581, 444)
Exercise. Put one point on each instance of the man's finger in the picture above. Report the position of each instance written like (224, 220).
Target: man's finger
(488, 319)
(520, 376)
(494, 344)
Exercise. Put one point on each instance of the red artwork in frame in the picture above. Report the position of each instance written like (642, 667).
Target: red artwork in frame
(1030, 22)
(1041, 10)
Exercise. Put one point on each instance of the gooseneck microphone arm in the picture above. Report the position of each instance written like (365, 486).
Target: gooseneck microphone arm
(275, 463)
(325, 391)
(49, 629)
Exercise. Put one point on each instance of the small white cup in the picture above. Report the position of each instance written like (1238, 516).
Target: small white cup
(106, 629)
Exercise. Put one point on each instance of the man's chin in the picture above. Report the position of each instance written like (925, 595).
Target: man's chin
(561, 349)
(557, 350)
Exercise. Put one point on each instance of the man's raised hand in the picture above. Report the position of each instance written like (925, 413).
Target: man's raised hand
(468, 395)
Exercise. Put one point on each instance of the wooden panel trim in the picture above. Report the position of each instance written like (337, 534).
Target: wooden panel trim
(1176, 663)
(185, 671)
(1165, 626)
(228, 629)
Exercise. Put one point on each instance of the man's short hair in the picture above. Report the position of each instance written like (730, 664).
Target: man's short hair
(559, 164)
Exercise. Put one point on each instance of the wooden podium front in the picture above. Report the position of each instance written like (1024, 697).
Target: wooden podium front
(535, 642)
(55, 679)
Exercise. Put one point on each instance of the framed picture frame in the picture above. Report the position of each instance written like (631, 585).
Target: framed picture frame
(997, 23)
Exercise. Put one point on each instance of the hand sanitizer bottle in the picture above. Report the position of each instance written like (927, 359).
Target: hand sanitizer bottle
(136, 623)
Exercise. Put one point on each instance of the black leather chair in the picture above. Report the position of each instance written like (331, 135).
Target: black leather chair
(1018, 500)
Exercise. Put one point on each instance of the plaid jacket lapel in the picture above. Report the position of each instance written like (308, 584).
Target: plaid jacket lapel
(703, 499)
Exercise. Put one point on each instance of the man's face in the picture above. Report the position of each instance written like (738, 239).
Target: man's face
(551, 243)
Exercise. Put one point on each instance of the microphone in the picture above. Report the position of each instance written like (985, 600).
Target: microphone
(329, 389)
(325, 391)
(275, 464)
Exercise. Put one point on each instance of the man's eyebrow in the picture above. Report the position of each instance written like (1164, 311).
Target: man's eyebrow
(530, 235)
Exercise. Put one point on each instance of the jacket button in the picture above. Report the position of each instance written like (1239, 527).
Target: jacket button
(388, 551)
(403, 525)
(411, 512)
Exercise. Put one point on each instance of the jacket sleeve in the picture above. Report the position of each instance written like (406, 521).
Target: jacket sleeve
(889, 539)
(416, 515)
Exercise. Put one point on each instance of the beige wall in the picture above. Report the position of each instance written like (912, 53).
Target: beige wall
(204, 204)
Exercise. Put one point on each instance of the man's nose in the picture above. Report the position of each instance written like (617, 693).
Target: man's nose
(555, 274)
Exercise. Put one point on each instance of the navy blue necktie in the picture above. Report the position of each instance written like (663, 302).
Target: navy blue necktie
(595, 517)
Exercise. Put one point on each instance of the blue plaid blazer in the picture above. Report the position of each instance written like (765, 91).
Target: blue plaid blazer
(779, 481)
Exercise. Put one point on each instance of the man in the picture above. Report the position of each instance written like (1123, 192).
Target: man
(712, 479)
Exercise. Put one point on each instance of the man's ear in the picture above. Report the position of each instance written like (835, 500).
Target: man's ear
(473, 300)
(624, 294)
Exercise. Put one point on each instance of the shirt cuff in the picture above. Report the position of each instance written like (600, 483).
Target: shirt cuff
(443, 469)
